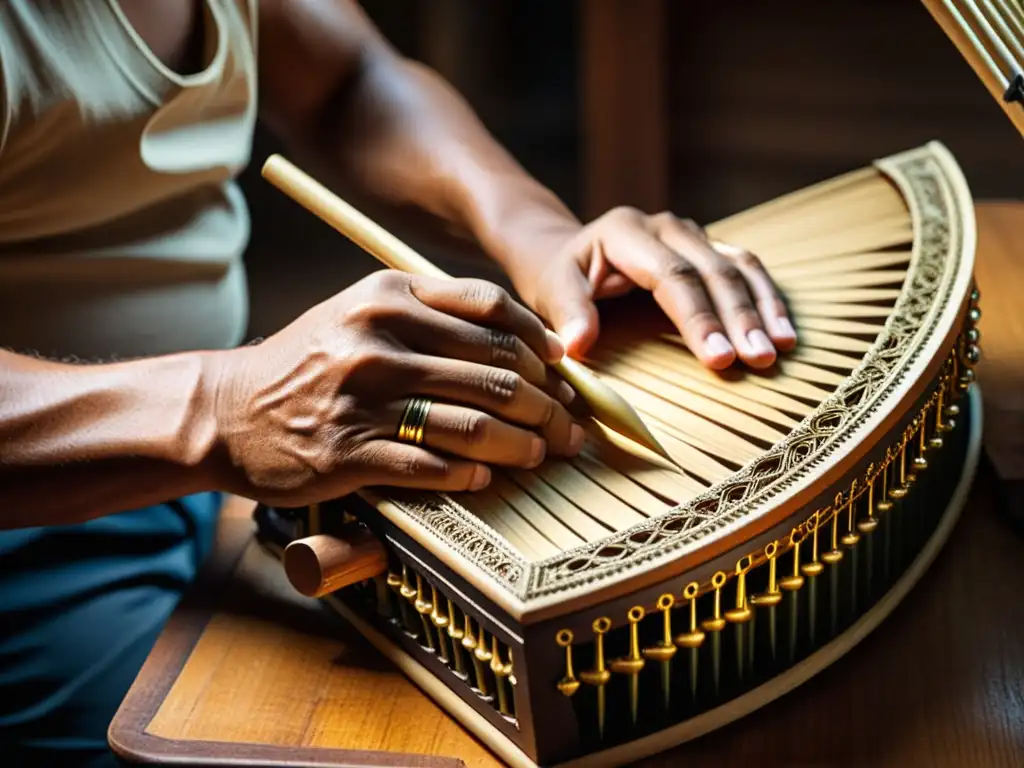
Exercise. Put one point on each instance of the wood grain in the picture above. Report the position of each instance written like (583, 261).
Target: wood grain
(273, 677)
(269, 669)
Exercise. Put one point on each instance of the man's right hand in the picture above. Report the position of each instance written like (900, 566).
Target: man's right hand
(313, 411)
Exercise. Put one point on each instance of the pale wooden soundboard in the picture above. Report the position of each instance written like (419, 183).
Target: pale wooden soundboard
(839, 251)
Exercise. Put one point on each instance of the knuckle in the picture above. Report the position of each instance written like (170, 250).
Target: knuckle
(746, 259)
(375, 311)
(682, 271)
(370, 360)
(702, 321)
(387, 280)
(726, 272)
(490, 300)
(747, 316)
(504, 348)
(624, 214)
(420, 465)
(500, 384)
(473, 428)
(550, 410)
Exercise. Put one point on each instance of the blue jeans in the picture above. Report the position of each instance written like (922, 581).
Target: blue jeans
(80, 609)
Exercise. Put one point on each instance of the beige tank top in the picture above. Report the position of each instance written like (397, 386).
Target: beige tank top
(122, 230)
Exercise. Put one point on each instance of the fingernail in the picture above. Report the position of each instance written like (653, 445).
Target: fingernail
(576, 437)
(716, 345)
(481, 477)
(566, 393)
(784, 328)
(537, 450)
(556, 349)
(760, 344)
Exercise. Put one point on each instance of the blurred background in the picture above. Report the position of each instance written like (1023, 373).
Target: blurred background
(705, 107)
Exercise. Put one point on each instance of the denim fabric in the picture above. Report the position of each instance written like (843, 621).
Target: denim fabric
(80, 608)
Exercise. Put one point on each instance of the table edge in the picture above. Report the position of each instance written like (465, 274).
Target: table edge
(130, 741)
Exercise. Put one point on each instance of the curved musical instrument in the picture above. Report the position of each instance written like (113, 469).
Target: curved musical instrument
(604, 607)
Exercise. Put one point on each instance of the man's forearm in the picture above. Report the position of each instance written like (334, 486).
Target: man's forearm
(405, 135)
(80, 441)
(392, 128)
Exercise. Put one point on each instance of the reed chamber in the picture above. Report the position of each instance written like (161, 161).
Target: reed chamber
(599, 609)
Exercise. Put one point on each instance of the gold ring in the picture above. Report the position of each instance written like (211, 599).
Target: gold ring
(414, 418)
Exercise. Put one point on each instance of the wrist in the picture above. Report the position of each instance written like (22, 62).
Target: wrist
(520, 226)
(171, 404)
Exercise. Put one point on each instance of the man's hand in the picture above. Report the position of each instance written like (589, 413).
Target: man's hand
(395, 131)
(312, 412)
(719, 297)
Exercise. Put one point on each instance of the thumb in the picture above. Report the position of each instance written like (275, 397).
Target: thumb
(565, 300)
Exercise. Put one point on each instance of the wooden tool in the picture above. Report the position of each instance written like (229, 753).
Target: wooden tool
(600, 608)
(318, 565)
(608, 406)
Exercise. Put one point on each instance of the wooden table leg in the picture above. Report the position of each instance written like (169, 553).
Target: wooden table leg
(624, 79)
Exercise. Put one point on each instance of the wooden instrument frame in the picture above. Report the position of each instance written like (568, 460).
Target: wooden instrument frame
(942, 210)
(522, 606)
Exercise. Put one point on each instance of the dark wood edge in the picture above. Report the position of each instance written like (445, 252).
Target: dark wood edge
(130, 740)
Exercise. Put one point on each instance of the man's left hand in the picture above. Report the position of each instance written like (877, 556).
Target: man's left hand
(719, 296)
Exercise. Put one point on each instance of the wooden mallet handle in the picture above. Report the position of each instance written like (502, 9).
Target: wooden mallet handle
(607, 405)
(321, 564)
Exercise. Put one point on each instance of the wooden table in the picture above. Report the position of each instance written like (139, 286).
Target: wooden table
(247, 670)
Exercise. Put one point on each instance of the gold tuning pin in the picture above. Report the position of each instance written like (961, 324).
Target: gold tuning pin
(851, 537)
(456, 635)
(920, 462)
(935, 404)
(440, 620)
(898, 492)
(908, 449)
(814, 567)
(945, 416)
(773, 596)
(868, 525)
(694, 637)
(501, 671)
(665, 649)
(423, 608)
(407, 590)
(469, 643)
(884, 504)
(408, 593)
(482, 655)
(568, 685)
(742, 612)
(716, 623)
(633, 662)
(794, 581)
(835, 554)
(599, 675)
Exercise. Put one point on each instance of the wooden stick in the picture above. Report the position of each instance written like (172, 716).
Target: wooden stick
(321, 564)
(607, 406)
